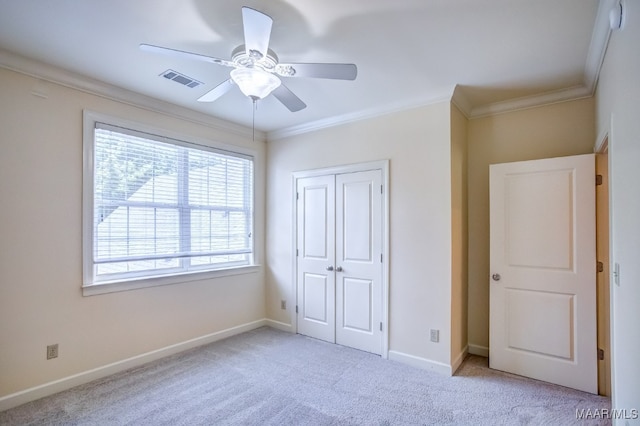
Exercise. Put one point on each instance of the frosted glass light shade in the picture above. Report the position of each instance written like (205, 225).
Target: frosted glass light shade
(254, 82)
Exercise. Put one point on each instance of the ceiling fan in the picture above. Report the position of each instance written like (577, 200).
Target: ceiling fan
(256, 70)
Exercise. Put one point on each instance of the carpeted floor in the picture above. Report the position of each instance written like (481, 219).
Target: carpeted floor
(268, 377)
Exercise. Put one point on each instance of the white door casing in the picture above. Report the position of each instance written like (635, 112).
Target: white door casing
(356, 290)
(543, 266)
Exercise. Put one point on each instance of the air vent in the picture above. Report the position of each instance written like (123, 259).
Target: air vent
(181, 78)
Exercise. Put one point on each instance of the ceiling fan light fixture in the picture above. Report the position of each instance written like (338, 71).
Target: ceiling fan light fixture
(254, 82)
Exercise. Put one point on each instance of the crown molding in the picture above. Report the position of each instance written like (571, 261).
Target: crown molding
(366, 114)
(598, 47)
(460, 100)
(52, 74)
(548, 98)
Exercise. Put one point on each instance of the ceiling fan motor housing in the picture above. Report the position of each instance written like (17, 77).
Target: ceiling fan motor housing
(254, 59)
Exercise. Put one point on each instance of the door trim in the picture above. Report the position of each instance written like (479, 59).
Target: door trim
(382, 165)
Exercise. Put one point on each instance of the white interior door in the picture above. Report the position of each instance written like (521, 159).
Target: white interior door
(339, 258)
(316, 256)
(543, 266)
(358, 260)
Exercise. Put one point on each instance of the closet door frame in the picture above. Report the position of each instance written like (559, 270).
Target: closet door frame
(383, 166)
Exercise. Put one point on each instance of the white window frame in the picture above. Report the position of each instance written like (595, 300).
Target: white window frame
(91, 287)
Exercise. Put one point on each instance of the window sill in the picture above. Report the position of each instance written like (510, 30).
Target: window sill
(116, 286)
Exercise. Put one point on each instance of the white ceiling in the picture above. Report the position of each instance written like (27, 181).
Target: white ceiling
(408, 52)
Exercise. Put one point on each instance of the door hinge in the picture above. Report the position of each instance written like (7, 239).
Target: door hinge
(598, 180)
(296, 309)
(600, 354)
(381, 190)
(600, 266)
(380, 257)
(380, 326)
(296, 252)
(297, 195)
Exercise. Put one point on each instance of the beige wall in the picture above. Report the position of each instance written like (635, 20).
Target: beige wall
(551, 131)
(618, 115)
(459, 235)
(41, 302)
(417, 143)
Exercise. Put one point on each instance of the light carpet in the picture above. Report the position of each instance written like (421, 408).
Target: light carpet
(269, 377)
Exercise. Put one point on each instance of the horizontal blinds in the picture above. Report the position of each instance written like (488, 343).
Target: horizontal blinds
(168, 140)
(160, 203)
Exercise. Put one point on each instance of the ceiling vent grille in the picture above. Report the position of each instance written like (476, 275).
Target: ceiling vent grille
(181, 78)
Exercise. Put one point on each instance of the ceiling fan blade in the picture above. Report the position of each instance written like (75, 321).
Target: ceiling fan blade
(334, 71)
(217, 91)
(288, 98)
(257, 31)
(182, 54)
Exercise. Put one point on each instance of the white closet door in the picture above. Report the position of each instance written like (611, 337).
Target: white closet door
(339, 265)
(358, 260)
(316, 256)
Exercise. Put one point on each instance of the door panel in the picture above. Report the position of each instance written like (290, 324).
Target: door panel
(316, 252)
(525, 325)
(315, 201)
(314, 298)
(356, 309)
(358, 249)
(542, 305)
(526, 246)
(357, 226)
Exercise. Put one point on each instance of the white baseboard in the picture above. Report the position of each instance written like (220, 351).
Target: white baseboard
(459, 359)
(46, 389)
(423, 363)
(479, 350)
(279, 325)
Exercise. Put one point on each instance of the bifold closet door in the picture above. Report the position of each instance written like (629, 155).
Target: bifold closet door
(339, 263)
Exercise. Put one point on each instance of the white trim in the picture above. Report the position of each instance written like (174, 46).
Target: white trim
(478, 350)
(549, 98)
(338, 120)
(422, 363)
(598, 47)
(278, 325)
(46, 389)
(459, 360)
(459, 99)
(293, 315)
(52, 74)
(382, 165)
(602, 142)
(135, 284)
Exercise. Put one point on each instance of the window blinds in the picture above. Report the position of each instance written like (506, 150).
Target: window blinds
(163, 206)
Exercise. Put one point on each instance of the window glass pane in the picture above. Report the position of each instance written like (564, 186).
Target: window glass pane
(162, 207)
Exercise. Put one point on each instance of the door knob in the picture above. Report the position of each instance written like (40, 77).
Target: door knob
(329, 268)
(339, 269)
(496, 277)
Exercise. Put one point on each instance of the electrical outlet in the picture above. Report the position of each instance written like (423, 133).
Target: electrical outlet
(52, 351)
(435, 335)
(283, 304)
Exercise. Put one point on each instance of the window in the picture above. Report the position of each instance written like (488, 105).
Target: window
(163, 207)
